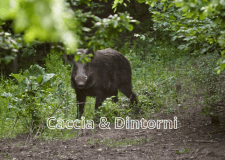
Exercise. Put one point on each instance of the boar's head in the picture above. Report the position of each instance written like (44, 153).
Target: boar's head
(80, 71)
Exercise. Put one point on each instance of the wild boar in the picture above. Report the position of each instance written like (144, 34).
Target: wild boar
(107, 72)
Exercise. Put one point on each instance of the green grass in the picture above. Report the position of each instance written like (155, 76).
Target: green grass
(163, 77)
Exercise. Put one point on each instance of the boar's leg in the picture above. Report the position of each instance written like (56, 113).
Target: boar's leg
(81, 98)
(126, 90)
(100, 97)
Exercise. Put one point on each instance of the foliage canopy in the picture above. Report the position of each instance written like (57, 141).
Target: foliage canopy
(58, 21)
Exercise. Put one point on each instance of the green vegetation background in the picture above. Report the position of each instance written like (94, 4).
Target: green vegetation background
(174, 59)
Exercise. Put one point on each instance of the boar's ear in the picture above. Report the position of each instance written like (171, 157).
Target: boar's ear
(70, 57)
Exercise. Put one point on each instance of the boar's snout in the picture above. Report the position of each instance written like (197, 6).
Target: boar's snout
(81, 81)
(81, 76)
(80, 85)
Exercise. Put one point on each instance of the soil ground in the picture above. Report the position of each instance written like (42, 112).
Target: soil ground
(193, 139)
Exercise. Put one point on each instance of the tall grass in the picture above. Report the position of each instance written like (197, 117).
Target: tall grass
(165, 79)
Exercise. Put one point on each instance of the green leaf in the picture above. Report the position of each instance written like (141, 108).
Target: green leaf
(174, 38)
(172, 17)
(222, 66)
(189, 14)
(35, 70)
(48, 77)
(4, 94)
(115, 23)
(164, 7)
(77, 57)
(181, 47)
(39, 79)
(202, 16)
(222, 53)
(170, 5)
(152, 4)
(156, 12)
(90, 55)
(10, 107)
(218, 71)
(189, 38)
(130, 27)
(18, 77)
(25, 74)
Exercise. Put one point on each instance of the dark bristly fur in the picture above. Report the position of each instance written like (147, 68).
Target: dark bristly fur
(107, 72)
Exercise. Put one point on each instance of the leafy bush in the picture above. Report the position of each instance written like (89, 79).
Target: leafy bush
(33, 88)
(111, 110)
(35, 96)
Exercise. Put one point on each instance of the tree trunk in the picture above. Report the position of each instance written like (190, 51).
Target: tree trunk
(15, 65)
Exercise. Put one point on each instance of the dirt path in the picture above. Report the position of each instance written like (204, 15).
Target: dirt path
(192, 140)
